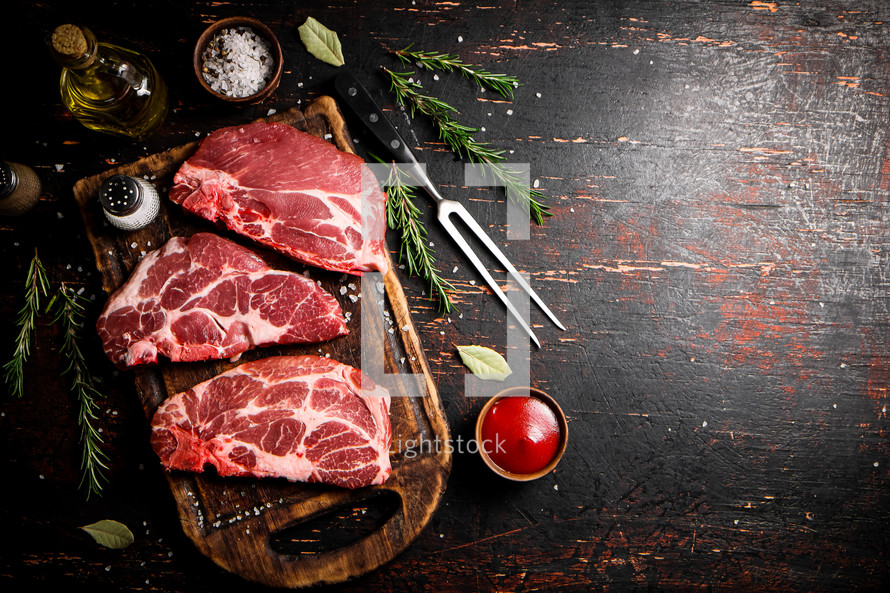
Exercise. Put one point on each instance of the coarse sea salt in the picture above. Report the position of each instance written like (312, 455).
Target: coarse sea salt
(238, 62)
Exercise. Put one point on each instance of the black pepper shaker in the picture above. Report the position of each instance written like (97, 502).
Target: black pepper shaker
(129, 203)
(19, 188)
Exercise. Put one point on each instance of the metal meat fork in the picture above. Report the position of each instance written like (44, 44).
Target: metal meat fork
(356, 96)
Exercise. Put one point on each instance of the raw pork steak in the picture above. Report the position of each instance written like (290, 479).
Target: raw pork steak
(289, 190)
(205, 298)
(303, 418)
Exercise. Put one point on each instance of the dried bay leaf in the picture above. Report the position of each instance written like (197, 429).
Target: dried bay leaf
(484, 362)
(110, 534)
(321, 42)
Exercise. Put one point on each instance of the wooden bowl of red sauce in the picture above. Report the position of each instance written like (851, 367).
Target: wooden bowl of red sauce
(521, 433)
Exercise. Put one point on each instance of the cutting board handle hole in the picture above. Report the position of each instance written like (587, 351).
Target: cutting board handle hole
(338, 527)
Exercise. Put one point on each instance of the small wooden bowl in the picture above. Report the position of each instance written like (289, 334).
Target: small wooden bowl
(258, 28)
(560, 418)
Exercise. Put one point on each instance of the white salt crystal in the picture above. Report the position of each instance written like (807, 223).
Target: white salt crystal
(238, 62)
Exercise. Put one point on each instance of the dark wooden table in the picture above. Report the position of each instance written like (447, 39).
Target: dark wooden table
(719, 177)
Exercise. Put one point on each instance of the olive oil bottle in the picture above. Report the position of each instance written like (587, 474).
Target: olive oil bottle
(108, 88)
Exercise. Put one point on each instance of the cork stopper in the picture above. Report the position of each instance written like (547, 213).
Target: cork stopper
(69, 41)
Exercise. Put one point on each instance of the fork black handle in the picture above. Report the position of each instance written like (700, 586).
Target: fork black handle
(357, 97)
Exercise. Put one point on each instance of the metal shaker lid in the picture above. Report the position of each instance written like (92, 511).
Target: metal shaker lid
(8, 180)
(120, 195)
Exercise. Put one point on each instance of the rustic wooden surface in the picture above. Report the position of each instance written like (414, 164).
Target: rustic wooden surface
(719, 250)
(246, 526)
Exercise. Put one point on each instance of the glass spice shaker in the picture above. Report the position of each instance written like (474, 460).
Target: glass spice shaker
(129, 203)
(20, 188)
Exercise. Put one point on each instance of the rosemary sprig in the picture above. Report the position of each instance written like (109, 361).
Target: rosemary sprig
(430, 60)
(459, 139)
(404, 216)
(36, 285)
(68, 309)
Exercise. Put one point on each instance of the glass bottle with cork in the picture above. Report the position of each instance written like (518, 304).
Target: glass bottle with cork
(108, 88)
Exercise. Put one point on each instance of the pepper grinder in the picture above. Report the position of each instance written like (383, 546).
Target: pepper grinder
(129, 203)
(19, 188)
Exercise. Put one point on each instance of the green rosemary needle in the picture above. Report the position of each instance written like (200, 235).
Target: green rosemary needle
(459, 139)
(68, 309)
(36, 285)
(430, 60)
(403, 216)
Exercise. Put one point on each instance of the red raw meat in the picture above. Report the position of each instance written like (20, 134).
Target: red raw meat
(206, 298)
(290, 191)
(304, 418)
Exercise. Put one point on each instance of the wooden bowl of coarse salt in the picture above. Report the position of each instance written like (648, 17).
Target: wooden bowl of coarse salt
(238, 60)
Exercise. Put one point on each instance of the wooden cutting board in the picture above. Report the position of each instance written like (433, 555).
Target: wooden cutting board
(273, 531)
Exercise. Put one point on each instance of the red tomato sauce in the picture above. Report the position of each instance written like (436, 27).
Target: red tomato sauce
(520, 434)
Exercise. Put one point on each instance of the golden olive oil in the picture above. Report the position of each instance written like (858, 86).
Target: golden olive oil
(108, 88)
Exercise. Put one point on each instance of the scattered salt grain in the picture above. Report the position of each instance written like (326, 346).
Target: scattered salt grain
(133, 245)
(453, 270)
(238, 62)
(271, 112)
(509, 112)
(342, 290)
(537, 183)
(460, 39)
(538, 95)
(60, 168)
